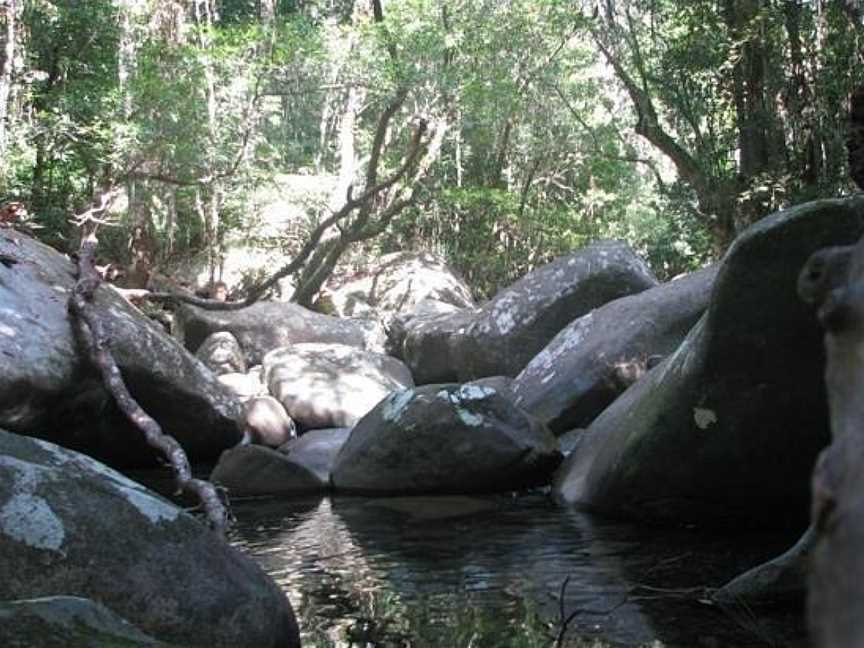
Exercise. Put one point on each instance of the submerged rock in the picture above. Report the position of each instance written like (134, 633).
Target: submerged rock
(729, 426)
(70, 525)
(445, 439)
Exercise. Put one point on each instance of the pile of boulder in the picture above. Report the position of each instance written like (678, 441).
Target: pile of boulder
(698, 401)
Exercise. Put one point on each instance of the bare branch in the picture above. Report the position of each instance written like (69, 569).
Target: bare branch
(91, 333)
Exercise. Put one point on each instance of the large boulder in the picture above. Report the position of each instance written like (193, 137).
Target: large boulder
(265, 326)
(72, 526)
(520, 320)
(49, 388)
(397, 283)
(331, 385)
(834, 281)
(596, 357)
(728, 426)
(445, 439)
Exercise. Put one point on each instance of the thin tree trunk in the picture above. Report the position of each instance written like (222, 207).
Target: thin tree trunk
(204, 19)
(6, 65)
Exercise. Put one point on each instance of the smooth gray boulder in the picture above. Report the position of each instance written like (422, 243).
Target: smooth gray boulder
(728, 427)
(221, 352)
(331, 385)
(49, 389)
(265, 326)
(596, 357)
(519, 321)
(445, 439)
(70, 525)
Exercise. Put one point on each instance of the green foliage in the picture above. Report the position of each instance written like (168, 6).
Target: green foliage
(540, 154)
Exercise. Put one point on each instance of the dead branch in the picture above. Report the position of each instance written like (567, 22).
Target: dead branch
(91, 333)
(408, 165)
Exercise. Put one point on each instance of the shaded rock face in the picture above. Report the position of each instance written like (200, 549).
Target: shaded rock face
(730, 424)
(398, 283)
(256, 470)
(331, 385)
(317, 450)
(267, 423)
(596, 357)
(397, 327)
(162, 570)
(445, 439)
(836, 574)
(221, 352)
(302, 465)
(520, 320)
(49, 389)
(426, 346)
(265, 326)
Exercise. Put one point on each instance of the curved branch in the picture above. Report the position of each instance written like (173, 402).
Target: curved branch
(91, 332)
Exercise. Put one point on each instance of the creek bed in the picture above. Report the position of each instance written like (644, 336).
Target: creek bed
(488, 572)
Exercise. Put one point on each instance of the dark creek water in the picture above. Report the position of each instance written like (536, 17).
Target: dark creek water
(488, 571)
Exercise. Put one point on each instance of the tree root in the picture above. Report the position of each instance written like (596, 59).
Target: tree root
(91, 333)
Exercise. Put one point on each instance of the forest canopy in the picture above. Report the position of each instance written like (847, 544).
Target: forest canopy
(499, 133)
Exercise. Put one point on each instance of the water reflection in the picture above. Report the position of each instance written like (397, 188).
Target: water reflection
(472, 571)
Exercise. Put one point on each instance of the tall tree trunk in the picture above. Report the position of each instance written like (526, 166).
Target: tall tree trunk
(761, 143)
(205, 18)
(7, 62)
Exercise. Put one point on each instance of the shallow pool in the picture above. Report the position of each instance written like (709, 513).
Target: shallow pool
(489, 571)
